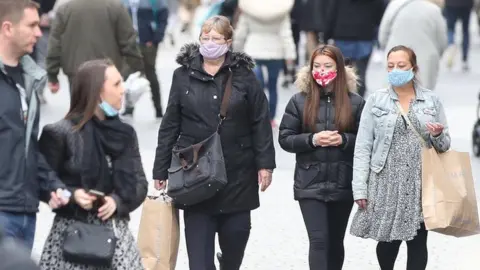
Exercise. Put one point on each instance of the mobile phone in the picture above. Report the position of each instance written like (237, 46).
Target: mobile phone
(96, 193)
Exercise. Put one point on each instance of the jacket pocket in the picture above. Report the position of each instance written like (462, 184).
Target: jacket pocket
(306, 174)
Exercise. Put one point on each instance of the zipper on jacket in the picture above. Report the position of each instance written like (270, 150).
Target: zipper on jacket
(326, 128)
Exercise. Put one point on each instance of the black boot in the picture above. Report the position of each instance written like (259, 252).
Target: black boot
(220, 260)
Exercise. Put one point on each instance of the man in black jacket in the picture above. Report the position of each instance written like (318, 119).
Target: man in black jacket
(25, 177)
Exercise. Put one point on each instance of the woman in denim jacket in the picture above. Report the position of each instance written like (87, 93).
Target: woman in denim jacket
(387, 166)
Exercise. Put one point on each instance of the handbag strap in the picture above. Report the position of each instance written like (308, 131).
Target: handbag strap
(226, 99)
(409, 123)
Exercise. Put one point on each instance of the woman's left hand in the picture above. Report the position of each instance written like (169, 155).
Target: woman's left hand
(107, 209)
(435, 129)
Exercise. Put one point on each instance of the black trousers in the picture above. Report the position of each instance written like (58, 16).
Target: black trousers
(417, 253)
(362, 66)
(149, 60)
(233, 233)
(326, 224)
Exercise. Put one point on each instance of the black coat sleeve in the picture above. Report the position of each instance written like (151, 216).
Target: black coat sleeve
(49, 160)
(261, 127)
(291, 136)
(330, 16)
(141, 187)
(351, 137)
(168, 132)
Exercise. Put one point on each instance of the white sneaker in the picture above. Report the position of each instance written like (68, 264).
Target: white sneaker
(451, 52)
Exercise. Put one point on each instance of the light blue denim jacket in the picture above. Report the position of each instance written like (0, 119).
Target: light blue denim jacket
(376, 128)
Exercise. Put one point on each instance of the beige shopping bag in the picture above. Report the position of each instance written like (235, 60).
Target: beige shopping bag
(448, 193)
(159, 234)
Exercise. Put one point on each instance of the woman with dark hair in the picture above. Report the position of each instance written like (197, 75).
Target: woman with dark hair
(387, 172)
(320, 126)
(94, 152)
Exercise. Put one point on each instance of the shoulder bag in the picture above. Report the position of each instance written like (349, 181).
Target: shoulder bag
(198, 172)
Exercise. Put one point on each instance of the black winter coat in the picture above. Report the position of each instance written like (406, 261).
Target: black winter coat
(321, 173)
(355, 20)
(246, 134)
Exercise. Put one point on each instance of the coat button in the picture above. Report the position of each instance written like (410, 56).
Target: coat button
(215, 97)
(193, 72)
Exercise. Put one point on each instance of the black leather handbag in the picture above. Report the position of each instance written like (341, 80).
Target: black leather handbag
(89, 244)
(198, 172)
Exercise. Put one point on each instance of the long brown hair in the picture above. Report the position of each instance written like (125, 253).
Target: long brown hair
(343, 107)
(85, 93)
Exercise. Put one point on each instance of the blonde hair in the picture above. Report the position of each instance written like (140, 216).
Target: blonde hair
(221, 24)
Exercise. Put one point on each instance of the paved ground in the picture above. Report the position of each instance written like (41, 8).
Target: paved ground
(278, 239)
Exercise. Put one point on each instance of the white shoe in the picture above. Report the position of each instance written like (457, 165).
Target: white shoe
(451, 52)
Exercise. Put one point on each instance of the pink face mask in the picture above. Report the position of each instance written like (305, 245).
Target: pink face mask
(324, 78)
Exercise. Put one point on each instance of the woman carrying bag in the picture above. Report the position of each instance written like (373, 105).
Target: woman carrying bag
(97, 156)
(198, 116)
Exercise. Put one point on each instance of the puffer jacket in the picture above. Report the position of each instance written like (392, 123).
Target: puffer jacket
(321, 173)
(264, 30)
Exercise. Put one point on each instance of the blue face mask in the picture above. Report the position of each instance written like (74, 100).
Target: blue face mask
(108, 110)
(398, 77)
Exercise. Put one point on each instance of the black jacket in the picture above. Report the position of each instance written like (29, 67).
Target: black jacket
(62, 147)
(25, 178)
(246, 133)
(321, 173)
(459, 3)
(355, 20)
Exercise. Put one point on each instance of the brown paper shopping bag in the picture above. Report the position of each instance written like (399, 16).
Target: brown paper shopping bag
(449, 201)
(159, 234)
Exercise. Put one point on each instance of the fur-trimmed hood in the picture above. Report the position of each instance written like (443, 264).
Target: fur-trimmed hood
(303, 79)
(190, 51)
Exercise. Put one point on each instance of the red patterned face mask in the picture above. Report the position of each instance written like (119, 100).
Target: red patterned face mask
(324, 78)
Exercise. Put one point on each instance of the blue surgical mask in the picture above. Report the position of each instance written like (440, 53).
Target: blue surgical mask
(108, 110)
(398, 77)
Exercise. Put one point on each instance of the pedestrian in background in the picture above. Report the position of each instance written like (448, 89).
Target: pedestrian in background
(26, 178)
(387, 168)
(353, 27)
(110, 33)
(458, 10)
(192, 115)
(264, 32)
(420, 25)
(320, 126)
(150, 19)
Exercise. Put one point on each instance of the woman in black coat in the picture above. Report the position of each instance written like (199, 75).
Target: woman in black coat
(320, 126)
(94, 152)
(246, 135)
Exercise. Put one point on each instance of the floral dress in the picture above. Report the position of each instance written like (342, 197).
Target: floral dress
(394, 209)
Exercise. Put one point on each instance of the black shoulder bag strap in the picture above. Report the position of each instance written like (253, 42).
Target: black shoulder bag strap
(225, 100)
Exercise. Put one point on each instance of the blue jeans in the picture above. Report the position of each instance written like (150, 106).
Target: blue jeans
(453, 14)
(19, 226)
(273, 70)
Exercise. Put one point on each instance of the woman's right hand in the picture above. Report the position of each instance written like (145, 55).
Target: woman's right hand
(160, 184)
(83, 199)
(362, 203)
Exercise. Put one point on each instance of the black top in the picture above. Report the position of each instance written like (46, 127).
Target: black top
(16, 73)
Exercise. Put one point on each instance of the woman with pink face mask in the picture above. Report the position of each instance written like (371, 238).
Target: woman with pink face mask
(320, 126)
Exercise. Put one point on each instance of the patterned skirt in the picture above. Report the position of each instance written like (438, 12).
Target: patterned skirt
(126, 257)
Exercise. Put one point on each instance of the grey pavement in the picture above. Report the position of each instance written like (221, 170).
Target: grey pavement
(278, 237)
